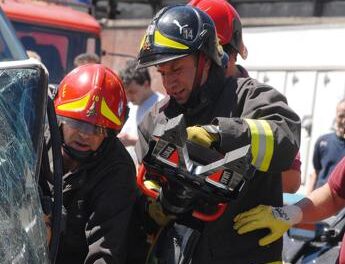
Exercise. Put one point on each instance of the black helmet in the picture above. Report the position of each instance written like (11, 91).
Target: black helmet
(178, 31)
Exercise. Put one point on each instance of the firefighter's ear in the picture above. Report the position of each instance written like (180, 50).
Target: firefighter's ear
(208, 63)
(206, 69)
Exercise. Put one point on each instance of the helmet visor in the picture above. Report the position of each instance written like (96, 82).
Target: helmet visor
(243, 51)
(156, 59)
(83, 127)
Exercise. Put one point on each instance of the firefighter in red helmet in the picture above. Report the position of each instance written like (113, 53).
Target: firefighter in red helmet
(99, 187)
(94, 95)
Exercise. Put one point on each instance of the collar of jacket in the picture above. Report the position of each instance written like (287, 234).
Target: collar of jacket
(99, 155)
(95, 167)
(201, 96)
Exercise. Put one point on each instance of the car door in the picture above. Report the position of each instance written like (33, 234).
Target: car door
(23, 99)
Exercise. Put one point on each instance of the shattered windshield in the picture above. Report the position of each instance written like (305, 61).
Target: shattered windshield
(22, 231)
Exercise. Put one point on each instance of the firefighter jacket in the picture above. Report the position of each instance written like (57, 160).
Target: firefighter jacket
(98, 199)
(247, 112)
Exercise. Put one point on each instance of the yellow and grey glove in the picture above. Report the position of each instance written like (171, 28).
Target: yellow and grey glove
(156, 213)
(277, 219)
(155, 209)
(203, 135)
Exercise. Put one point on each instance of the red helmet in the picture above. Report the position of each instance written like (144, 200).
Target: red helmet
(93, 94)
(227, 21)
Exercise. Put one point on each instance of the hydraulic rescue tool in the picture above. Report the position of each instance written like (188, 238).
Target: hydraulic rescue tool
(192, 178)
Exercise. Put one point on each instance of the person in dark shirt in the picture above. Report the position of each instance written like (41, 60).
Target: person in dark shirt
(329, 149)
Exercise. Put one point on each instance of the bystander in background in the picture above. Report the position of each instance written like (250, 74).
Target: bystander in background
(141, 99)
(329, 149)
(85, 58)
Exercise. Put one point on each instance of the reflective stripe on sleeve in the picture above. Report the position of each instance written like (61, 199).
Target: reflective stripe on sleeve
(262, 143)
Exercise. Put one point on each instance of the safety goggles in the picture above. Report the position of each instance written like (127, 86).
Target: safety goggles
(83, 127)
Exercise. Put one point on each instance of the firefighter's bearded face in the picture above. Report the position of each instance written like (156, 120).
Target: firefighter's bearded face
(80, 140)
(178, 76)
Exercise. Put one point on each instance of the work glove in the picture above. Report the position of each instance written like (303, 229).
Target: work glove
(277, 219)
(203, 135)
(155, 209)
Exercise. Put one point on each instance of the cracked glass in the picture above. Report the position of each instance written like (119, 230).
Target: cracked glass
(22, 105)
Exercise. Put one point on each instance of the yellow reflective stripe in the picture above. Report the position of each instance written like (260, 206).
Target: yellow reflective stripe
(106, 112)
(75, 106)
(262, 143)
(142, 41)
(255, 139)
(167, 42)
(269, 145)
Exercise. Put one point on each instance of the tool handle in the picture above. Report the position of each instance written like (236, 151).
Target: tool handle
(140, 181)
(211, 217)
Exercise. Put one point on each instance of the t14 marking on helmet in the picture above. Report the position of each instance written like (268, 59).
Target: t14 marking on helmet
(186, 32)
(179, 26)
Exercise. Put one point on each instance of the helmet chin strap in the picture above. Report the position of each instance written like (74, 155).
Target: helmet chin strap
(80, 156)
(84, 156)
(200, 65)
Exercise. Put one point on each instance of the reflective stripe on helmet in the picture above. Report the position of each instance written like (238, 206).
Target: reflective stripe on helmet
(143, 41)
(167, 42)
(75, 106)
(106, 112)
(179, 31)
(262, 143)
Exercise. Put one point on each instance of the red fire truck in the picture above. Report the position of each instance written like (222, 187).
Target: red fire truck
(57, 33)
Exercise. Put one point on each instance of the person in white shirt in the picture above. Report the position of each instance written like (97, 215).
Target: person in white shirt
(141, 99)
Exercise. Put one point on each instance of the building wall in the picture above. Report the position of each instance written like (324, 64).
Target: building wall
(289, 59)
(123, 37)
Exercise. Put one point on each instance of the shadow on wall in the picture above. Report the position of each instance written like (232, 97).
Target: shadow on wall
(124, 37)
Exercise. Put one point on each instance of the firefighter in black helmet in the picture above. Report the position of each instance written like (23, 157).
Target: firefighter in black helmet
(222, 113)
(178, 32)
